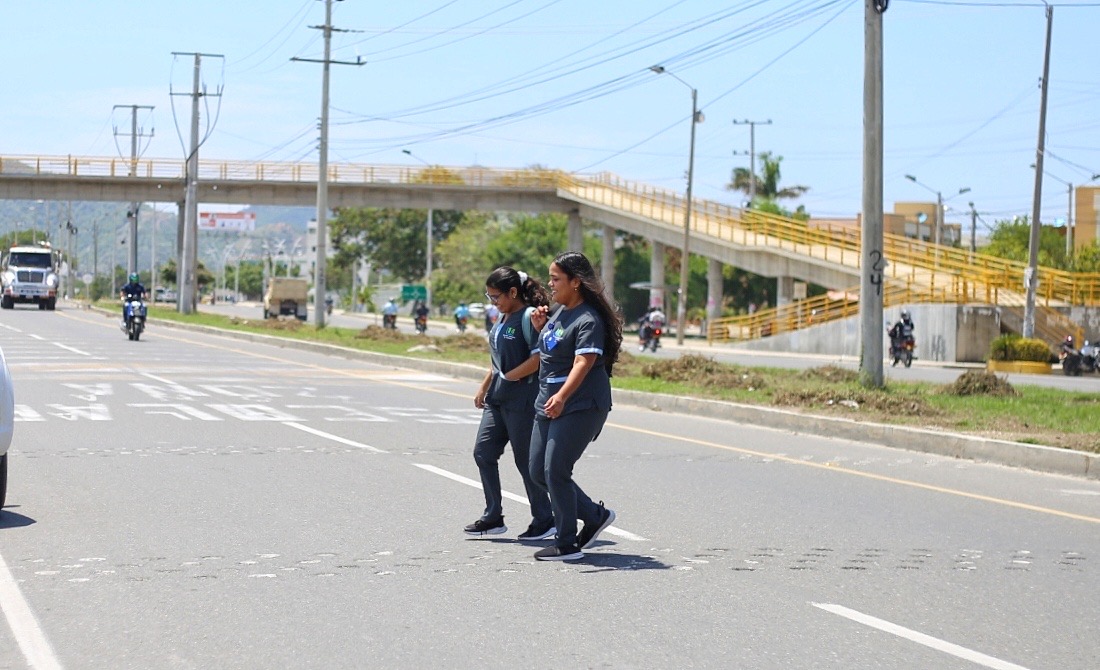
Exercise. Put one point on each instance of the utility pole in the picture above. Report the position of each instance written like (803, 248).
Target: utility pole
(135, 133)
(973, 228)
(319, 288)
(187, 268)
(1031, 274)
(872, 260)
(752, 153)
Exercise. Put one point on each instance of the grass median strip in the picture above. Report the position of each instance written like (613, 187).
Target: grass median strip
(978, 403)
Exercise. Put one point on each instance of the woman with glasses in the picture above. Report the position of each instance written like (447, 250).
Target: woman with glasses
(507, 400)
(578, 346)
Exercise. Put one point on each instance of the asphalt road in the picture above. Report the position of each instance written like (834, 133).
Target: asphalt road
(190, 501)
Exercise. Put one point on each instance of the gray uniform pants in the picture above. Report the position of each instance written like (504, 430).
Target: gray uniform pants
(498, 428)
(556, 445)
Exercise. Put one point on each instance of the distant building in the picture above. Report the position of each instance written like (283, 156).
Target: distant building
(915, 220)
(1086, 228)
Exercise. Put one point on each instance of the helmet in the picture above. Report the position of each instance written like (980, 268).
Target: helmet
(1069, 340)
(904, 315)
(134, 276)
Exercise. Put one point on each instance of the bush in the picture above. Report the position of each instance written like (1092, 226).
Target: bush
(1015, 348)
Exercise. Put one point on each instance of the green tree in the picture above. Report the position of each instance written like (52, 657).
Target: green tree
(767, 183)
(1086, 259)
(168, 274)
(1011, 238)
(394, 239)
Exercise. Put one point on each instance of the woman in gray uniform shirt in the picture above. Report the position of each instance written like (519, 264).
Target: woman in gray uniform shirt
(507, 398)
(578, 345)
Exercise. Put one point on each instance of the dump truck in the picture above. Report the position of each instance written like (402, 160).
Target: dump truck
(286, 296)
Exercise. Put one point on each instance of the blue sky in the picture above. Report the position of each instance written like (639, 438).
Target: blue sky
(565, 84)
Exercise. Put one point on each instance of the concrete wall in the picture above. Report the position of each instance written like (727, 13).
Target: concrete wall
(945, 333)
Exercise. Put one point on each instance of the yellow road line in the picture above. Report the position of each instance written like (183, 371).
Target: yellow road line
(704, 443)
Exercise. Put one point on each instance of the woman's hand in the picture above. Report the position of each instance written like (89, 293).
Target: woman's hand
(540, 316)
(554, 406)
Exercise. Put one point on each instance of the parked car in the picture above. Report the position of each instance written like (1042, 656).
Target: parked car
(7, 424)
(477, 310)
(162, 294)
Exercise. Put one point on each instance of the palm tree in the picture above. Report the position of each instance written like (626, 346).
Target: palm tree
(767, 185)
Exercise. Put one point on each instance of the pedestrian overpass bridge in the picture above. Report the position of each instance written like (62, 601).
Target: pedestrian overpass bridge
(760, 243)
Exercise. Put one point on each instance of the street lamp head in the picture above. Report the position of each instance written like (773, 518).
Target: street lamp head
(406, 152)
(910, 177)
(659, 69)
(965, 189)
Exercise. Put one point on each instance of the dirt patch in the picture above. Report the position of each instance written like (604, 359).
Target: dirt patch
(980, 382)
(466, 342)
(703, 371)
(831, 374)
(856, 400)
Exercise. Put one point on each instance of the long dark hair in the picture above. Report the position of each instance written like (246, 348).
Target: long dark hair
(528, 289)
(577, 266)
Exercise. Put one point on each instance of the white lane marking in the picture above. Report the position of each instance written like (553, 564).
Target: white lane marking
(72, 349)
(920, 638)
(1079, 492)
(11, 328)
(38, 337)
(512, 496)
(24, 626)
(334, 438)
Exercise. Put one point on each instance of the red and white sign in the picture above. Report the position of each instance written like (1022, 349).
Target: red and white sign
(244, 222)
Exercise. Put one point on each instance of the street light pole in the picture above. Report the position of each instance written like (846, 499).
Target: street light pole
(431, 230)
(938, 234)
(681, 301)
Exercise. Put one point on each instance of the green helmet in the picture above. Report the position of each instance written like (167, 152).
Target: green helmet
(134, 276)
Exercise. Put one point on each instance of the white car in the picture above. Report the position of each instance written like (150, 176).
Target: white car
(7, 424)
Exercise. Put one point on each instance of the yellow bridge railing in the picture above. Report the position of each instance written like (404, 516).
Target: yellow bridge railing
(969, 277)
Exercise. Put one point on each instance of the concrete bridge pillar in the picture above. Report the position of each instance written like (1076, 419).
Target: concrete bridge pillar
(576, 232)
(714, 289)
(657, 276)
(607, 262)
(784, 291)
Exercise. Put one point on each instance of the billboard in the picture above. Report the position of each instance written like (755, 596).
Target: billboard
(239, 222)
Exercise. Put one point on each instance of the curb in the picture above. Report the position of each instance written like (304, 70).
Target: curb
(1015, 454)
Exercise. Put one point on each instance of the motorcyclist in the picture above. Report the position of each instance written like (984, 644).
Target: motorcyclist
(131, 290)
(1071, 358)
(900, 333)
(653, 319)
(422, 310)
(462, 315)
(389, 313)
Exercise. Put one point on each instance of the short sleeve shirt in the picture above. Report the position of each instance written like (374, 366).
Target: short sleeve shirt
(508, 349)
(571, 333)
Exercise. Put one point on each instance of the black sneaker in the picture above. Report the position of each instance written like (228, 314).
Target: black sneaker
(534, 532)
(572, 553)
(589, 533)
(483, 527)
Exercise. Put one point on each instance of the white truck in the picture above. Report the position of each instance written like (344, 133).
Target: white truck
(29, 275)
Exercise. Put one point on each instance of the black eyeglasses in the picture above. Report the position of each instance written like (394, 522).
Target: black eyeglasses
(493, 298)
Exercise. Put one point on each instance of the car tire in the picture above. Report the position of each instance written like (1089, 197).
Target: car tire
(51, 304)
(7, 303)
(3, 479)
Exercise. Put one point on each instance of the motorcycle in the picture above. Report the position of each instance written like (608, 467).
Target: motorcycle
(421, 324)
(650, 336)
(133, 320)
(460, 321)
(901, 349)
(1071, 361)
(1088, 357)
(389, 321)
